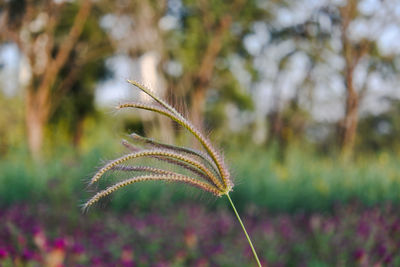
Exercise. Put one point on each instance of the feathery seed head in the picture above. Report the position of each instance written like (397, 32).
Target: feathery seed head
(208, 169)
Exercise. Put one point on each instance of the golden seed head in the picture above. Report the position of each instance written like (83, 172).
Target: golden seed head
(208, 169)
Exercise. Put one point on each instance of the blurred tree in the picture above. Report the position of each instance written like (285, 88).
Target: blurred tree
(352, 53)
(63, 43)
(47, 42)
(133, 28)
(206, 45)
(74, 100)
(338, 48)
(192, 47)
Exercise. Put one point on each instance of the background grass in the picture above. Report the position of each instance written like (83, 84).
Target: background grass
(305, 180)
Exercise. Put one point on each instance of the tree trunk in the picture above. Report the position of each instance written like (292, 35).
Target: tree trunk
(203, 77)
(351, 56)
(35, 120)
(38, 99)
(78, 132)
(198, 99)
(351, 117)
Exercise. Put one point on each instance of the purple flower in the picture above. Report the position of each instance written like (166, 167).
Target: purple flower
(161, 264)
(218, 249)
(285, 228)
(59, 243)
(381, 250)
(363, 229)
(128, 264)
(77, 249)
(27, 255)
(359, 254)
(388, 259)
(96, 261)
(3, 253)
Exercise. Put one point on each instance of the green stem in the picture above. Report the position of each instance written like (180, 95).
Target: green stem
(244, 230)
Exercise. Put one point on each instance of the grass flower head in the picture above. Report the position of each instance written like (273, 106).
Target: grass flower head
(204, 170)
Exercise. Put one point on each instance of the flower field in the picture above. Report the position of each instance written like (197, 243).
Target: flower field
(190, 235)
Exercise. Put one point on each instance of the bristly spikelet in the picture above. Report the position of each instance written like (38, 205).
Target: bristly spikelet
(163, 154)
(166, 177)
(191, 151)
(208, 168)
(216, 157)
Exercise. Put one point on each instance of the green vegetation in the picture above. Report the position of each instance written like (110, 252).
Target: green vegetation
(309, 181)
(305, 181)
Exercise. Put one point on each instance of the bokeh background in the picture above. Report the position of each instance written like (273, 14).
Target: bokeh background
(302, 97)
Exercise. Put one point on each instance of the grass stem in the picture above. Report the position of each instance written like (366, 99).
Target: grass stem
(244, 230)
